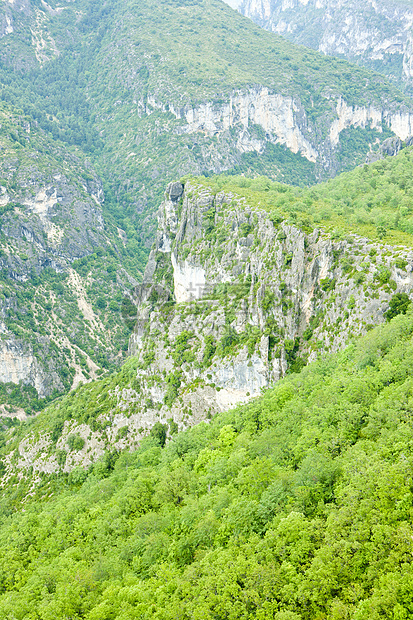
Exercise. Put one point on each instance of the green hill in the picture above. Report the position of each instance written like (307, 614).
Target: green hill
(153, 92)
(372, 200)
(297, 506)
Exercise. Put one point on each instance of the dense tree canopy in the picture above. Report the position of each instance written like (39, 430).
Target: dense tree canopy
(296, 506)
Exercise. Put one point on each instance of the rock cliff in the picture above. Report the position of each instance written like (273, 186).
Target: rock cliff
(233, 297)
(281, 120)
(375, 34)
(52, 333)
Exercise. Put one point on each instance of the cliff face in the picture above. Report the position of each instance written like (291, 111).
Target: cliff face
(375, 34)
(233, 297)
(258, 117)
(232, 300)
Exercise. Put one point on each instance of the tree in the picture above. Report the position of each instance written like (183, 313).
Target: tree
(158, 432)
(398, 304)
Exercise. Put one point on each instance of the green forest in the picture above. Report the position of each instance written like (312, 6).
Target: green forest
(295, 506)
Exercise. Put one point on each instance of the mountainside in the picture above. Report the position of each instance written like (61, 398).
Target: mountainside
(64, 271)
(256, 293)
(297, 506)
(153, 92)
(377, 35)
(141, 95)
(248, 281)
(227, 433)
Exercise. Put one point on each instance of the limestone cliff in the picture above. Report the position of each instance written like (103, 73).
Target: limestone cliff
(231, 300)
(250, 120)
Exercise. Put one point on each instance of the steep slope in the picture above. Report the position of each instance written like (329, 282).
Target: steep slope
(377, 35)
(248, 280)
(255, 294)
(63, 269)
(295, 507)
(157, 91)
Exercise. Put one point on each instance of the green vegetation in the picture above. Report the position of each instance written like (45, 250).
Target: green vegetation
(87, 263)
(307, 26)
(123, 73)
(366, 200)
(399, 304)
(297, 505)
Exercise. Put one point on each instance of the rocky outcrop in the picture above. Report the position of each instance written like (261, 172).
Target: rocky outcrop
(388, 148)
(376, 34)
(231, 300)
(282, 120)
(50, 217)
(18, 364)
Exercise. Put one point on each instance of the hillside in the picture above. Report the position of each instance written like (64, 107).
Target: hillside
(153, 92)
(297, 506)
(126, 97)
(248, 280)
(205, 357)
(65, 269)
(377, 35)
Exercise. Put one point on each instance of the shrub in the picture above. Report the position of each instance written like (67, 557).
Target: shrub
(75, 442)
(158, 432)
(398, 304)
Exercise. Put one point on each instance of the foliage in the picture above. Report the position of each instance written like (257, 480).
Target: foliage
(398, 304)
(297, 505)
(361, 201)
(158, 432)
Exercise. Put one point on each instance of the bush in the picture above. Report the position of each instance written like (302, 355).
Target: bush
(158, 432)
(75, 442)
(398, 304)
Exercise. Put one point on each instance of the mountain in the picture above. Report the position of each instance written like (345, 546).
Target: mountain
(104, 104)
(249, 280)
(153, 92)
(64, 269)
(377, 35)
(252, 458)
(296, 506)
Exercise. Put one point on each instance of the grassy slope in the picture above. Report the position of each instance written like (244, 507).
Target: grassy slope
(297, 506)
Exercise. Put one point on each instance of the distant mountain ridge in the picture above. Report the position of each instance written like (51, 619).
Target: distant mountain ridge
(157, 91)
(378, 35)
